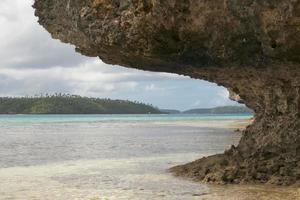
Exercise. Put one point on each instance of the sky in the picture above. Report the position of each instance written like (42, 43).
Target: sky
(31, 62)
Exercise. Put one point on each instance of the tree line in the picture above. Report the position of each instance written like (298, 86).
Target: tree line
(60, 103)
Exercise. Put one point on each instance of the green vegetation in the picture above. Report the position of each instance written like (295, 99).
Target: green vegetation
(71, 104)
(221, 110)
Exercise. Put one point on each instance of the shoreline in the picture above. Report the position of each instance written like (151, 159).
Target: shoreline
(211, 169)
(231, 124)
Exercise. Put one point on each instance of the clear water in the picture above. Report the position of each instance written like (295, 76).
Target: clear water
(114, 157)
(103, 118)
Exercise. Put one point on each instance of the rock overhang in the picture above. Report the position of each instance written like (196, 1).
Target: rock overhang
(252, 47)
(176, 33)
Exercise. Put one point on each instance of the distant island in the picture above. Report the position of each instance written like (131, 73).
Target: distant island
(72, 104)
(170, 111)
(216, 110)
(221, 110)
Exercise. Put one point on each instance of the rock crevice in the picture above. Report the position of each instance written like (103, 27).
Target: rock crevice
(252, 47)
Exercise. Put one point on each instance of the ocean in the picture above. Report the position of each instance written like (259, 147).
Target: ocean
(115, 157)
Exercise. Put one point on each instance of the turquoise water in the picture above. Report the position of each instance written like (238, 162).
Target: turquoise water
(125, 118)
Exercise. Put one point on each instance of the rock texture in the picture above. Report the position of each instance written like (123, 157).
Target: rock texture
(252, 47)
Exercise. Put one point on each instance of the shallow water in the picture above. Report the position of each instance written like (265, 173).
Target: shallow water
(42, 157)
(117, 118)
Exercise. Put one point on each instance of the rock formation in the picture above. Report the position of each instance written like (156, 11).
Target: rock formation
(252, 47)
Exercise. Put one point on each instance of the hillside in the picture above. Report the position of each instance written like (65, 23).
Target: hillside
(71, 104)
(220, 110)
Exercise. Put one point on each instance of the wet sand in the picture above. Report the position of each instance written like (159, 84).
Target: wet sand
(90, 179)
(232, 124)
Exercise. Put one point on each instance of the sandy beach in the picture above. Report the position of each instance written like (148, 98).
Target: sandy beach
(232, 124)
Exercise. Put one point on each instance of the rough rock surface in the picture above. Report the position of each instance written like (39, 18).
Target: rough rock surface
(252, 47)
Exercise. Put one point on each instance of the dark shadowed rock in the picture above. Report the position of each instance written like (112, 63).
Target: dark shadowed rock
(252, 47)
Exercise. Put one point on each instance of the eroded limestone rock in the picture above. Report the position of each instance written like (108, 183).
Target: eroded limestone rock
(252, 47)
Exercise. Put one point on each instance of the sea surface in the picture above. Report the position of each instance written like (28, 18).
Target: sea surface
(116, 157)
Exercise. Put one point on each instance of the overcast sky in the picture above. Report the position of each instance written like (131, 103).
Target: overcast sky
(33, 63)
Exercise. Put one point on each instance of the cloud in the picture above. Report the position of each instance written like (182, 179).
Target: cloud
(91, 78)
(222, 98)
(25, 44)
